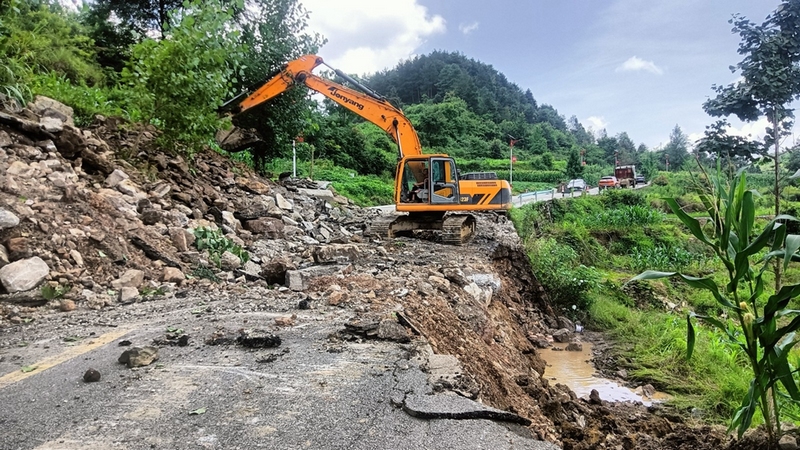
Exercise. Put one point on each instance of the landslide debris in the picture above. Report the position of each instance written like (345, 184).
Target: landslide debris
(93, 220)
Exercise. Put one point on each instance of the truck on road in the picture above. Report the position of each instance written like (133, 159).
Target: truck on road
(626, 176)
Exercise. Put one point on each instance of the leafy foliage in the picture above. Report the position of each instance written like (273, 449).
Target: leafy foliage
(664, 258)
(215, 243)
(558, 268)
(765, 331)
(624, 216)
(182, 80)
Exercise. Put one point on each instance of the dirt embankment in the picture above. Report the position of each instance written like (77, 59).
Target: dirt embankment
(103, 218)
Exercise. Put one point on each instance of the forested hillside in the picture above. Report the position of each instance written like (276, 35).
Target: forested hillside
(173, 68)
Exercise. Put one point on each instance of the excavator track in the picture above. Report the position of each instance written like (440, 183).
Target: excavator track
(380, 227)
(458, 229)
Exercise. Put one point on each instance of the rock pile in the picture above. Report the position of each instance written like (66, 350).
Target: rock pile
(99, 215)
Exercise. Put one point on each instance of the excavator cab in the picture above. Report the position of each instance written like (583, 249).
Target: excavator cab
(430, 180)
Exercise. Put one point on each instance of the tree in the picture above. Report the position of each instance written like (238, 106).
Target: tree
(141, 16)
(574, 167)
(183, 79)
(273, 31)
(716, 143)
(769, 81)
(770, 77)
(677, 149)
(609, 145)
(582, 137)
(626, 149)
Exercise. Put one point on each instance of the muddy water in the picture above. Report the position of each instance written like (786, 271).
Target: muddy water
(574, 369)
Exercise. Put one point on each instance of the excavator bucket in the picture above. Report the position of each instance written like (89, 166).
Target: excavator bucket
(237, 139)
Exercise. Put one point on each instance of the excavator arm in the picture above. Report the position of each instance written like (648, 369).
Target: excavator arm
(367, 104)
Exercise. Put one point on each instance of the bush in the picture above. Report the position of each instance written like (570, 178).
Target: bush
(558, 268)
(215, 243)
(614, 198)
(623, 217)
(181, 80)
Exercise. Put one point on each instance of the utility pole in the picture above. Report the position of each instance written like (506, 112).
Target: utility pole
(667, 157)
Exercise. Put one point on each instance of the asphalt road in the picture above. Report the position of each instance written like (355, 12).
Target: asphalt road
(524, 199)
(310, 392)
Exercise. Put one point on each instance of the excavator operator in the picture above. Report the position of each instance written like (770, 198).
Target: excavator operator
(421, 188)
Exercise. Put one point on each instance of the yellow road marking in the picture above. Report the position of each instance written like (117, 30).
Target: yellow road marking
(66, 355)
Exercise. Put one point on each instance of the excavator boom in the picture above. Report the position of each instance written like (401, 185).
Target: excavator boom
(367, 104)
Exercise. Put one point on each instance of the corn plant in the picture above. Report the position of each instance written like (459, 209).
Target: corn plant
(764, 330)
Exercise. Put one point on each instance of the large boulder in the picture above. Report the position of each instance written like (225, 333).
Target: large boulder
(23, 275)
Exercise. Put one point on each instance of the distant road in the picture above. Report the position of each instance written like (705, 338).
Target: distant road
(525, 198)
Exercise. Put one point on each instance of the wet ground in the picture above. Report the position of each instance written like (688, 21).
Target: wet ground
(575, 370)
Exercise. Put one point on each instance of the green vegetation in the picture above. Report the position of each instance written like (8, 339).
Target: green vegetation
(215, 244)
(173, 65)
(763, 329)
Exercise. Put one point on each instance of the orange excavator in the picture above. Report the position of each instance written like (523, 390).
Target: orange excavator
(427, 188)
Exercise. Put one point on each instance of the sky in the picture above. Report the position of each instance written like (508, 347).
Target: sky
(635, 66)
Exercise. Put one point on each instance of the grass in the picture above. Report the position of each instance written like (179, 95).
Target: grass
(652, 349)
(619, 237)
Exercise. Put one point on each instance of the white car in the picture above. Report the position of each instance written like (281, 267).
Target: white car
(576, 185)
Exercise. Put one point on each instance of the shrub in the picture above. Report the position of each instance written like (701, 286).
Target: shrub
(615, 198)
(181, 80)
(623, 217)
(215, 243)
(558, 268)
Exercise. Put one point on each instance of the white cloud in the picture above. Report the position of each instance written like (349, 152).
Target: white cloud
(468, 28)
(596, 123)
(634, 63)
(750, 130)
(365, 36)
(694, 137)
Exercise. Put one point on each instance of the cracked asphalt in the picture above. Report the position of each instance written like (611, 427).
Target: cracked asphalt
(311, 392)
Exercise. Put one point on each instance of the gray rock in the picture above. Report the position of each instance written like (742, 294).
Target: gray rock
(127, 294)
(392, 331)
(23, 275)
(787, 442)
(339, 253)
(574, 347)
(173, 275)
(229, 261)
(8, 219)
(52, 124)
(91, 376)
(562, 336)
(5, 139)
(3, 256)
(282, 202)
(324, 194)
(131, 278)
(116, 177)
(20, 169)
(139, 356)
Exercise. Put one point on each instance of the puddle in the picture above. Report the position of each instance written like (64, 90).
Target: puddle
(574, 369)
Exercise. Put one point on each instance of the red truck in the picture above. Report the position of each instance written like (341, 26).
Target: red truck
(626, 176)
